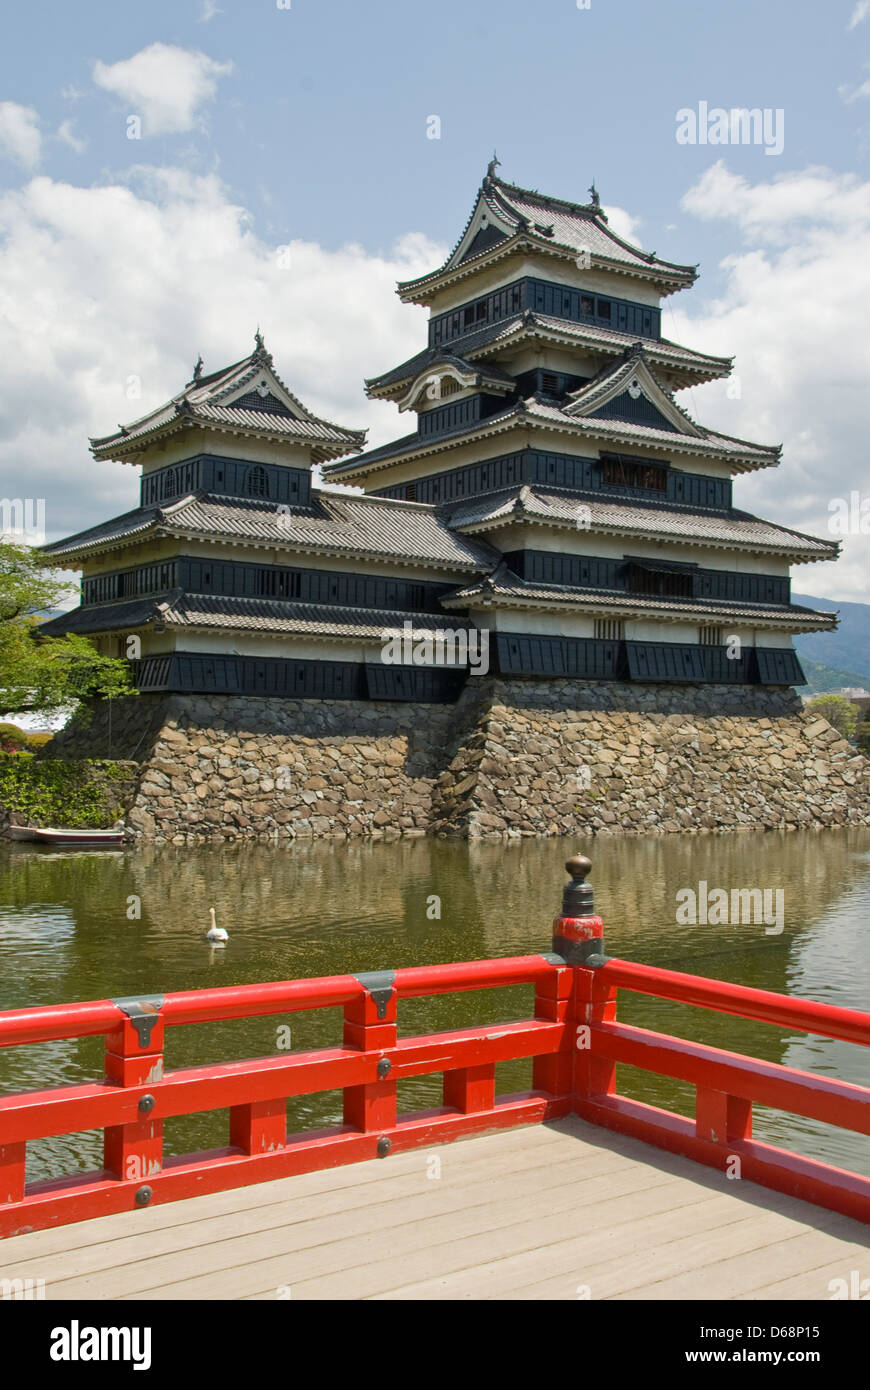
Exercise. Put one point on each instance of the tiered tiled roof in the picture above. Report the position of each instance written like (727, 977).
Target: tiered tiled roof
(503, 588)
(531, 505)
(511, 218)
(535, 413)
(336, 523)
(493, 338)
(246, 398)
(266, 617)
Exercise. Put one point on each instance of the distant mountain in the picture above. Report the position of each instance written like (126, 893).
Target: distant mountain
(844, 652)
(823, 680)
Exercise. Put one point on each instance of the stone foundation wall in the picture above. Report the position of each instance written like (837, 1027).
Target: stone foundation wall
(510, 758)
(569, 756)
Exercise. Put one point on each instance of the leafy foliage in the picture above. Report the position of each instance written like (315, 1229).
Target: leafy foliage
(840, 713)
(78, 794)
(46, 673)
(15, 740)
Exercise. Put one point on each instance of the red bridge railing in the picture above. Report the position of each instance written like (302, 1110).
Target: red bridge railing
(573, 1037)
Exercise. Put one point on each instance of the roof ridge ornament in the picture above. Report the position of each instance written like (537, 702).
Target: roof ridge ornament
(261, 353)
(197, 370)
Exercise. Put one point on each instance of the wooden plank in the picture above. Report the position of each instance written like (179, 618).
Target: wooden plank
(528, 1213)
(431, 1196)
(758, 1268)
(361, 1267)
(504, 1149)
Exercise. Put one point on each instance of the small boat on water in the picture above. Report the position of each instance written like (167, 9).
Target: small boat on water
(51, 836)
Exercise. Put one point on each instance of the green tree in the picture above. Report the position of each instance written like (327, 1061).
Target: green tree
(45, 674)
(840, 713)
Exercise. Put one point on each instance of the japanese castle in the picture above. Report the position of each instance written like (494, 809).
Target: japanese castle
(552, 494)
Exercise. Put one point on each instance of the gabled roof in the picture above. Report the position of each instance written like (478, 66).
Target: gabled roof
(506, 218)
(247, 398)
(493, 338)
(632, 375)
(681, 436)
(504, 589)
(266, 617)
(465, 374)
(336, 523)
(596, 514)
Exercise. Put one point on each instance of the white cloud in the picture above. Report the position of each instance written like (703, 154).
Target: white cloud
(208, 10)
(623, 224)
(102, 286)
(163, 84)
(103, 289)
(859, 14)
(66, 133)
(793, 313)
(20, 139)
(852, 94)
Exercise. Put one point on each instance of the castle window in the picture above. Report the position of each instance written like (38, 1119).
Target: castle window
(604, 308)
(481, 310)
(658, 581)
(550, 383)
(169, 483)
(410, 492)
(609, 629)
(625, 472)
(258, 482)
(587, 304)
(710, 636)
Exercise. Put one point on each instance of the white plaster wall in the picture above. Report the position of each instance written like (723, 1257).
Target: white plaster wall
(581, 542)
(543, 267)
(188, 443)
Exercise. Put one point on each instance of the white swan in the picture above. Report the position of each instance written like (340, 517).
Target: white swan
(216, 933)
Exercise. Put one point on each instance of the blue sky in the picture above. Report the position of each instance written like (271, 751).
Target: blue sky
(265, 127)
(321, 127)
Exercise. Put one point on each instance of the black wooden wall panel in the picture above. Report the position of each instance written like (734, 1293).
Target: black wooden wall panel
(665, 661)
(588, 571)
(227, 477)
(566, 471)
(537, 655)
(231, 579)
(192, 672)
(546, 297)
(779, 666)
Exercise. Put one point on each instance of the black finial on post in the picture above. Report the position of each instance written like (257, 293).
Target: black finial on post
(578, 935)
(577, 895)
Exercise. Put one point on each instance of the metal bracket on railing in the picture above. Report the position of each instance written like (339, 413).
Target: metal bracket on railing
(143, 1012)
(589, 953)
(379, 984)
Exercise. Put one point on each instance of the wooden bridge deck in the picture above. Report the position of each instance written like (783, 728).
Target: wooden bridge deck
(531, 1213)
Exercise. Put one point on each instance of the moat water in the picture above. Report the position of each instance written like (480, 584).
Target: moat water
(68, 931)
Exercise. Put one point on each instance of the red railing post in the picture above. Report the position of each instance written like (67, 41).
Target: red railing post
(721, 1117)
(556, 1002)
(370, 1026)
(134, 1057)
(12, 1160)
(578, 937)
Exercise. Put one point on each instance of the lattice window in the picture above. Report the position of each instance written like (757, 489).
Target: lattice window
(625, 472)
(710, 636)
(258, 482)
(609, 629)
